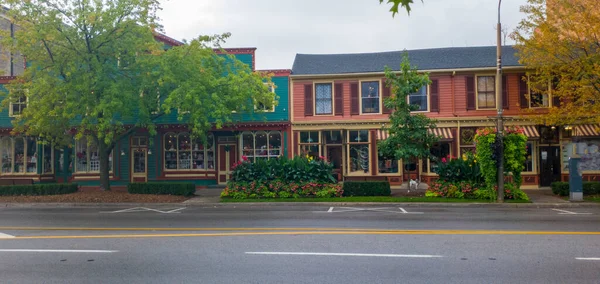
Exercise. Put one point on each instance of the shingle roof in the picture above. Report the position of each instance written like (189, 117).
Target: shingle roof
(423, 59)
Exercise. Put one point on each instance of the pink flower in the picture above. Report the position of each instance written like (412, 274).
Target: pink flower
(443, 160)
(244, 158)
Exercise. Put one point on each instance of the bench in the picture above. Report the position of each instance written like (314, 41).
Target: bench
(16, 182)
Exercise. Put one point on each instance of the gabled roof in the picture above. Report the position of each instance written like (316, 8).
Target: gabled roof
(424, 59)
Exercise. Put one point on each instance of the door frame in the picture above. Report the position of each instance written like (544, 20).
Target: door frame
(139, 177)
(227, 172)
(554, 160)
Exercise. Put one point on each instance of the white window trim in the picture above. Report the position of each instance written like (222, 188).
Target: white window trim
(477, 92)
(89, 160)
(315, 98)
(25, 156)
(317, 143)
(10, 110)
(534, 150)
(349, 144)
(270, 85)
(360, 98)
(190, 151)
(428, 97)
(254, 149)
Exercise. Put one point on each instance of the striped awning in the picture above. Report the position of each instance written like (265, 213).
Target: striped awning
(530, 131)
(444, 133)
(586, 130)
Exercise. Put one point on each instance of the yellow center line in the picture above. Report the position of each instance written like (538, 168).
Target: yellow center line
(397, 232)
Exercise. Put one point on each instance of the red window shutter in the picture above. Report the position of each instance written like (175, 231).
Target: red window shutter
(505, 104)
(523, 91)
(555, 100)
(339, 99)
(386, 94)
(308, 100)
(355, 107)
(470, 87)
(434, 95)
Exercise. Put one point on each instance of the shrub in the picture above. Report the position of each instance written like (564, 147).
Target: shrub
(484, 193)
(277, 188)
(562, 188)
(184, 189)
(38, 189)
(457, 170)
(299, 169)
(511, 191)
(367, 188)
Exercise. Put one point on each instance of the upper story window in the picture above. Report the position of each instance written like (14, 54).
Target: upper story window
(486, 92)
(539, 93)
(419, 98)
(370, 99)
(323, 98)
(265, 106)
(17, 106)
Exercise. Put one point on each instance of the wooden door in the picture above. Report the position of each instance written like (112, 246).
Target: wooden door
(139, 162)
(227, 158)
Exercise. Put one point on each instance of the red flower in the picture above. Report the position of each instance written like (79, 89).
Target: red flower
(244, 158)
(443, 160)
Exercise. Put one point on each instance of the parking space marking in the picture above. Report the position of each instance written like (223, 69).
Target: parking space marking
(587, 258)
(565, 212)
(145, 209)
(382, 209)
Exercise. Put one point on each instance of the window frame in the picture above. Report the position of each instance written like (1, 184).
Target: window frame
(255, 150)
(315, 83)
(272, 88)
(529, 94)
(428, 161)
(533, 150)
(379, 96)
(349, 145)
(11, 112)
(11, 156)
(477, 92)
(206, 153)
(89, 159)
(310, 144)
(427, 98)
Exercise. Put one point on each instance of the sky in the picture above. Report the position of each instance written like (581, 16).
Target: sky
(280, 29)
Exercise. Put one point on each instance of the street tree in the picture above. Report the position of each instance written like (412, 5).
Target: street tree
(409, 133)
(96, 71)
(560, 41)
(396, 4)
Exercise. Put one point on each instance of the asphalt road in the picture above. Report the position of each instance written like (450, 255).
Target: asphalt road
(299, 244)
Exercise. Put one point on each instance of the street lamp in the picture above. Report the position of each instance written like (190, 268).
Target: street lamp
(500, 130)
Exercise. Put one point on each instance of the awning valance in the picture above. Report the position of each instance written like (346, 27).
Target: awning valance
(586, 130)
(445, 133)
(530, 131)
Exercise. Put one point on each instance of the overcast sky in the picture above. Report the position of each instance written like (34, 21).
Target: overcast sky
(281, 28)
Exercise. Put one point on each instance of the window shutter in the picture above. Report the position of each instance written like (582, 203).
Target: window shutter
(555, 100)
(386, 95)
(523, 92)
(470, 87)
(355, 107)
(434, 95)
(339, 99)
(308, 100)
(505, 104)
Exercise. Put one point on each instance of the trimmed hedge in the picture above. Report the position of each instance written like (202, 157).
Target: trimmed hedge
(184, 189)
(367, 188)
(38, 189)
(562, 188)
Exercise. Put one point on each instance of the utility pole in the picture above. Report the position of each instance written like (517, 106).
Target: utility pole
(500, 124)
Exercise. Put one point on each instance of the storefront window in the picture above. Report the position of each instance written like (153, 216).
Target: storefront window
(261, 145)
(387, 165)
(529, 158)
(19, 156)
(333, 137)
(358, 151)
(47, 159)
(182, 152)
(309, 144)
(590, 155)
(438, 151)
(87, 157)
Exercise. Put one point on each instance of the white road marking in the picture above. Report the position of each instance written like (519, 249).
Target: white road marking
(330, 209)
(142, 209)
(58, 250)
(406, 212)
(587, 258)
(6, 236)
(565, 212)
(347, 254)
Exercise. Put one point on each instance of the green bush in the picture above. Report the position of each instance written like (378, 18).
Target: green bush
(441, 188)
(280, 189)
(511, 191)
(38, 189)
(458, 170)
(299, 170)
(367, 188)
(562, 188)
(184, 189)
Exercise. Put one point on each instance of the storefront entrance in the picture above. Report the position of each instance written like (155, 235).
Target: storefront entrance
(549, 165)
(139, 159)
(227, 158)
(334, 156)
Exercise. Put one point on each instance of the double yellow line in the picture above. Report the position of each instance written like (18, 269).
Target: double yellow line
(224, 232)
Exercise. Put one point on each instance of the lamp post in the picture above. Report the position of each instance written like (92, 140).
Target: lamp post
(500, 130)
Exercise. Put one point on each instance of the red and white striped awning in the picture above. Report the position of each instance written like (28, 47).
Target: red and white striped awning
(444, 133)
(530, 131)
(588, 130)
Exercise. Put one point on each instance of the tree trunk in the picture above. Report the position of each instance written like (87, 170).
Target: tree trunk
(104, 150)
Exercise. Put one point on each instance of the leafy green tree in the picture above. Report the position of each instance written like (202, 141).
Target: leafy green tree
(96, 71)
(409, 135)
(397, 4)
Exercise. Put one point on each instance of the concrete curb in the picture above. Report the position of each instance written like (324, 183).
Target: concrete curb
(299, 204)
